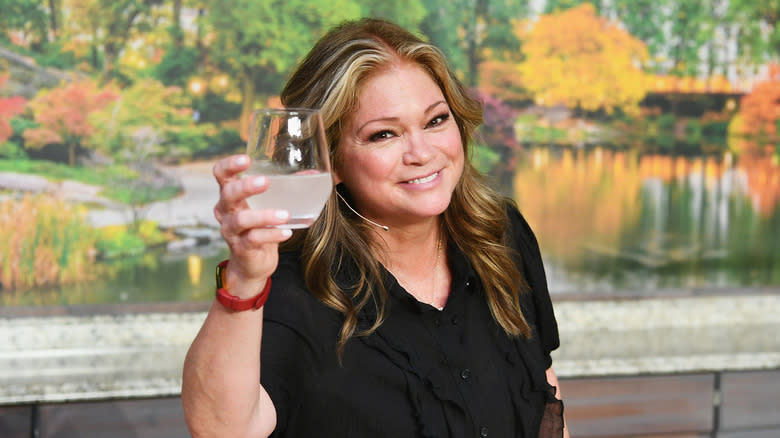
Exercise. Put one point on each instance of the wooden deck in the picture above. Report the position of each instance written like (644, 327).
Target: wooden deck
(715, 405)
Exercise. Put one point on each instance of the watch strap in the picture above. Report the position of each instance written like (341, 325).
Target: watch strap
(233, 302)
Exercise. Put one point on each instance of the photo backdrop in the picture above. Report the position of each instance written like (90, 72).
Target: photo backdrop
(639, 138)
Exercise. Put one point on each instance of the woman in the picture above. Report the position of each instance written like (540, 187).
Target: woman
(416, 305)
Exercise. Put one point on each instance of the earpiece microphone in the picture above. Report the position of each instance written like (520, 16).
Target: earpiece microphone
(384, 227)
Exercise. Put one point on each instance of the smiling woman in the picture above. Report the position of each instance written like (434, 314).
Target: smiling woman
(416, 305)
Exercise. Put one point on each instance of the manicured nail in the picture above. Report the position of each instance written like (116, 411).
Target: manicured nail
(286, 232)
(259, 181)
(282, 214)
(241, 161)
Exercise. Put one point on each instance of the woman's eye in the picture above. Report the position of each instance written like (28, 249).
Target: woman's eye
(381, 135)
(438, 120)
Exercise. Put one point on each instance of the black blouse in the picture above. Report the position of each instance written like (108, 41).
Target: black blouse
(423, 372)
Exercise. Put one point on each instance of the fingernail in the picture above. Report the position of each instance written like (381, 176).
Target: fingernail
(241, 161)
(259, 181)
(282, 214)
(286, 232)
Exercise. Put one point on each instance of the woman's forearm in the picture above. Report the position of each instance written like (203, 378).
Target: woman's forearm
(221, 392)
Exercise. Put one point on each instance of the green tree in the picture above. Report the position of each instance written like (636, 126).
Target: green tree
(758, 34)
(464, 29)
(406, 13)
(690, 31)
(645, 20)
(109, 25)
(556, 6)
(258, 40)
(26, 16)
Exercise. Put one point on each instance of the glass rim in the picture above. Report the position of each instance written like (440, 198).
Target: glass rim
(286, 111)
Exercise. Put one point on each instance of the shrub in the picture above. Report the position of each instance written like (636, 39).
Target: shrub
(51, 243)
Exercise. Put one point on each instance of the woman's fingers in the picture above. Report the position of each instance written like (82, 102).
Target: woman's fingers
(228, 168)
(244, 221)
(236, 191)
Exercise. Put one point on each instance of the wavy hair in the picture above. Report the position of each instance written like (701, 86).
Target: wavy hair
(330, 78)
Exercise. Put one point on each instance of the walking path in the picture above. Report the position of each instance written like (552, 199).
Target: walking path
(193, 207)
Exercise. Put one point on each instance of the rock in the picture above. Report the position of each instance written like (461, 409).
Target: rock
(27, 77)
(22, 182)
(203, 236)
(182, 245)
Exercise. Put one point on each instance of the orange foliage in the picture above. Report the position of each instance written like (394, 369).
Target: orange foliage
(760, 110)
(576, 58)
(502, 80)
(763, 182)
(63, 113)
(9, 107)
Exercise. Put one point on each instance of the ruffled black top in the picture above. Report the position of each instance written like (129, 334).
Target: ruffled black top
(423, 372)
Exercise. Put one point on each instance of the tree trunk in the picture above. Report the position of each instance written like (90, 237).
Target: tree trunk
(247, 103)
(178, 35)
(474, 41)
(71, 154)
(110, 56)
(53, 11)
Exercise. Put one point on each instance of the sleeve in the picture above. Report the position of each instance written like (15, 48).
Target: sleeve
(537, 304)
(288, 354)
(285, 369)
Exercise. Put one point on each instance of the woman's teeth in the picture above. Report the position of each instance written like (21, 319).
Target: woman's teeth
(424, 180)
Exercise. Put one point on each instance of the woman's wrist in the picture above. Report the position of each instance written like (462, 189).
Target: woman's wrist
(242, 297)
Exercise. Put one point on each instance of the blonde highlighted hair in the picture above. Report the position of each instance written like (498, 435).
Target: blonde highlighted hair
(330, 78)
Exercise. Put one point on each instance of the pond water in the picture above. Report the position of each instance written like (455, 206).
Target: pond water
(607, 220)
(154, 277)
(612, 220)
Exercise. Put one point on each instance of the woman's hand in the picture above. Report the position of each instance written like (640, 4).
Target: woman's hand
(249, 233)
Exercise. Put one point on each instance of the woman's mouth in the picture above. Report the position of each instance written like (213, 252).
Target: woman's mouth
(428, 178)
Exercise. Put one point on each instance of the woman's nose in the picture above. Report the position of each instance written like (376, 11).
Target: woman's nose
(419, 148)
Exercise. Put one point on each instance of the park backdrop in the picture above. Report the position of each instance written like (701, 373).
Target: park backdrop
(640, 138)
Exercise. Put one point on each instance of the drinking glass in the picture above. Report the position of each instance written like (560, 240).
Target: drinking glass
(288, 146)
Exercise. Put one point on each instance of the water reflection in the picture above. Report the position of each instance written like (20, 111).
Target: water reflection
(155, 276)
(612, 219)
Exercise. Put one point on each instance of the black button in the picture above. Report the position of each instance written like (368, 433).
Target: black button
(483, 432)
(454, 320)
(465, 374)
(468, 283)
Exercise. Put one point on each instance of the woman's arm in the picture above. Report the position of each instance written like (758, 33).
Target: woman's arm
(221, 392)
(552, 379)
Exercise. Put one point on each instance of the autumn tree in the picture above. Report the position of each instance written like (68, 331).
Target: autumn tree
(9, 107)
(760, 110)
(502, 80)
(577, 59)
(148, 120)
(258, 40)
(63, 115)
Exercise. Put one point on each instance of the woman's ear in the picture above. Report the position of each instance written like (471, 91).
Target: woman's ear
(336, 177)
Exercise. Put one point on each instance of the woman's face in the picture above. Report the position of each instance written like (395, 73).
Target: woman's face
(401, 152)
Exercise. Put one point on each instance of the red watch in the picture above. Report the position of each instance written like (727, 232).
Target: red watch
(235, 303)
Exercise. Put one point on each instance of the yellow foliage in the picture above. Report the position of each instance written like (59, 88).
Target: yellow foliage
(50, 244)
(577, 59)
